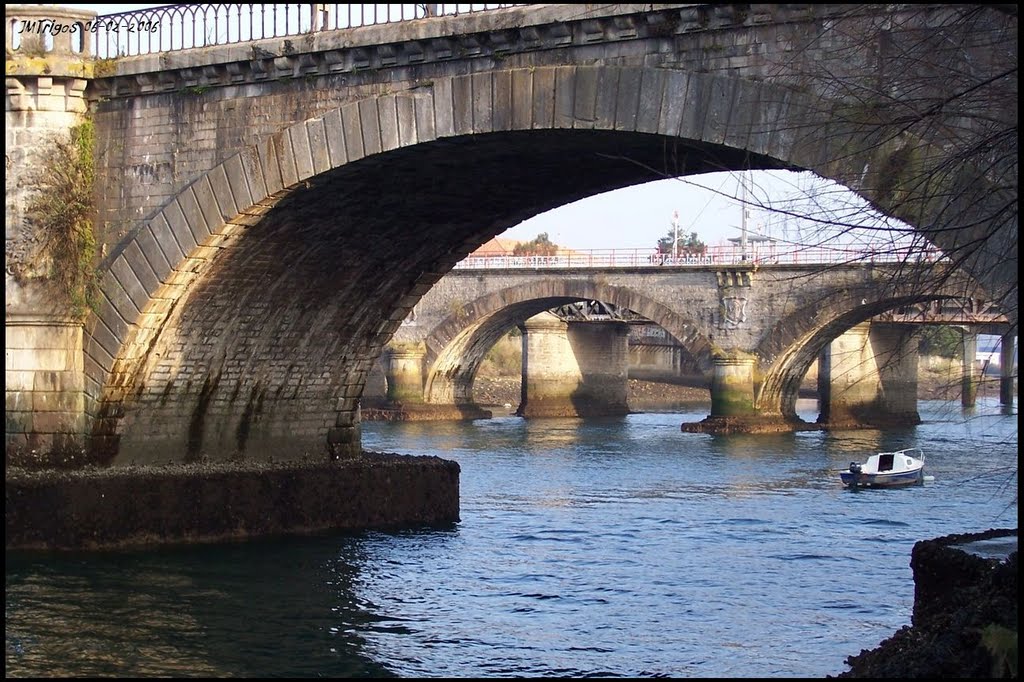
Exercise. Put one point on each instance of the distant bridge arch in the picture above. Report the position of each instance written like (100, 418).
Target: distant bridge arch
(794, 343)
(456, 347)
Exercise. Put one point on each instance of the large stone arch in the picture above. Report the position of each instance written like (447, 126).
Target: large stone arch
(457, 346)
(789, 347)
(199, 346)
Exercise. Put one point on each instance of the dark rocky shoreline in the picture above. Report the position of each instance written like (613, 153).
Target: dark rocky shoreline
(964, 623)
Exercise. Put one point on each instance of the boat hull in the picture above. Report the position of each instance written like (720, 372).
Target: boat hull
(882, 480)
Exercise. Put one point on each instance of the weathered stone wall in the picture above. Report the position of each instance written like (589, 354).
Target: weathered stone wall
(45, 416)
(133, 506)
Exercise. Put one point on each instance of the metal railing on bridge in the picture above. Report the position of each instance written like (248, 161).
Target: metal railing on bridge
(181, 27)
(711, 256)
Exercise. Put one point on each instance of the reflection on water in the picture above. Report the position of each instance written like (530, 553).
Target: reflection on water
(229, 610)
(616, 547)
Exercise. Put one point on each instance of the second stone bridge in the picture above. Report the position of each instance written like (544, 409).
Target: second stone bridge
(753, 330)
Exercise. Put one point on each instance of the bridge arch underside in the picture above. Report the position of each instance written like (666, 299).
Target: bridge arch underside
(792, 345)
(258, 343)
(456, 349)
(242, 319)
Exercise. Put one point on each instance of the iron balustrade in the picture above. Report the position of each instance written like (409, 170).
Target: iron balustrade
(181, 27)
(711, 256)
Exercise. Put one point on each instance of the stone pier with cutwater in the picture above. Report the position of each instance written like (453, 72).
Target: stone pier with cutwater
(573, 369)
(868, 377)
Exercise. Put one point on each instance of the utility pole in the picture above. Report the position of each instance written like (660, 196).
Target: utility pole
(675, 234)
(743, 217)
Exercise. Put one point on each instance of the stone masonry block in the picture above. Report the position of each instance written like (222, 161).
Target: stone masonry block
(69, 400)
(220, 187)
(334, 130)
(253, 170)
(109, 320)
(19, 380)
(584, 101)
(370, 125)
(565, 96)
(462, 105)
(165, 240)
(699, 98)
(387, 111)
(353, 128)
(607, 95)
(676, 86)
(425, 112)
(118, 297)
(139, 265)
(58, 422)
(42, 360)
(129, 281)
(720, 109)
(405, 120)
(444, 112)
(483, 103)
(522, 99)
(652, 88)
(18, 400)
(179, 225)
(238, 186)
(318, 145)
(747, 124)
(501, 83)
(298, 136)
(281, 143)
(41, 336)
(628, 98)
(271, 169)
(543, 97)
(97, 360)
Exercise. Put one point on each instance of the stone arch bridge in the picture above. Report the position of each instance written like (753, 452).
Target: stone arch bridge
(269, 212)
(754, 330)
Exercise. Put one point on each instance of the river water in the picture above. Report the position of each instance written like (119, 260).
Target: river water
(613, 547)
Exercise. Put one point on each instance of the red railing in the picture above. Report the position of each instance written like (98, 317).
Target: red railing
(713, 255)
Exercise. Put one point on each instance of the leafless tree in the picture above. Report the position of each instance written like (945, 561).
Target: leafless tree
(926, 131)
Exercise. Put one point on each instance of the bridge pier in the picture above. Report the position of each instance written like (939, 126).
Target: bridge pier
(970, 375)
(868, 378)
(732, 387)
(403, 395)
(732, 402)
(404, 392)
(404, 373)
(574, 370)
(1006, 376)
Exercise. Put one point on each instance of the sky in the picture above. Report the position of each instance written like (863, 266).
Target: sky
(710, 205)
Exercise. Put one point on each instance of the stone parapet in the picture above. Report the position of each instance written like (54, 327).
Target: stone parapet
(48, 41)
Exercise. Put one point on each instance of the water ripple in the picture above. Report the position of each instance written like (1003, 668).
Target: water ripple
(621, 548)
